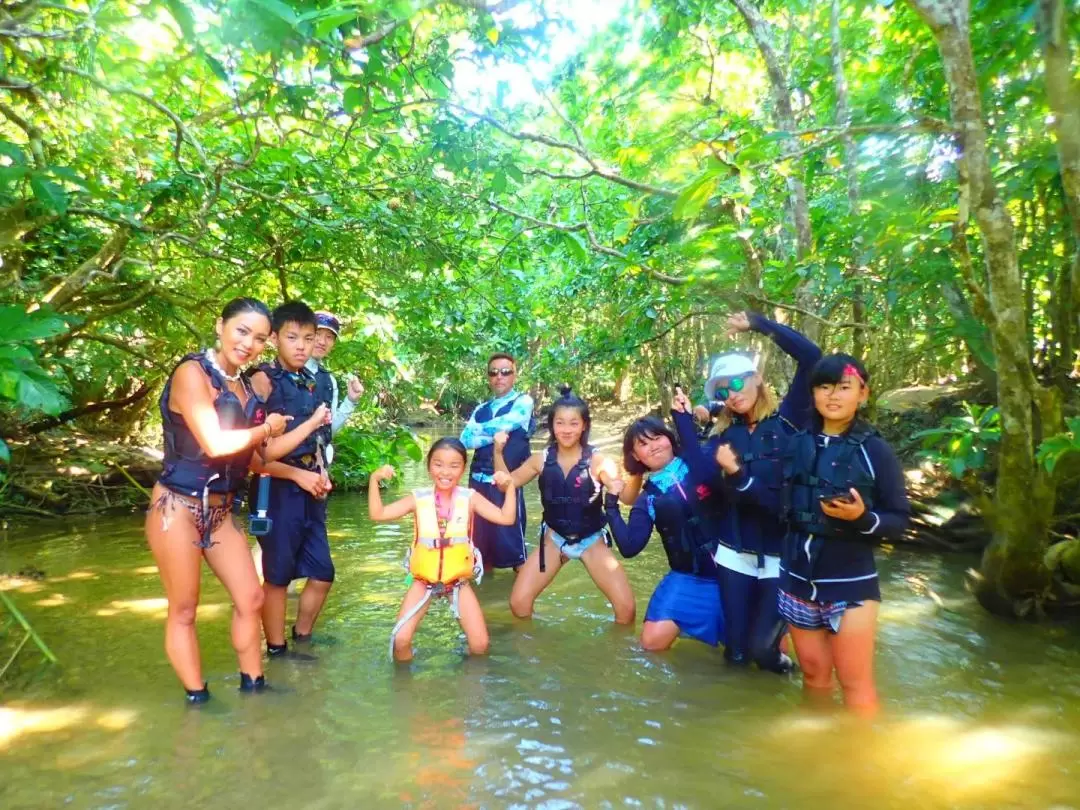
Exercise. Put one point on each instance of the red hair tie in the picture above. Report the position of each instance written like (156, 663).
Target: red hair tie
(851, 371)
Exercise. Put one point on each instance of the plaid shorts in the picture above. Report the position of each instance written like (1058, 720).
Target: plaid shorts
(812, 615)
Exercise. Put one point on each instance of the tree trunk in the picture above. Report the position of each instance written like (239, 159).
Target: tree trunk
(1014, 578)
(843, 119)
(1063, 94)
(784, 114)
(623, 386)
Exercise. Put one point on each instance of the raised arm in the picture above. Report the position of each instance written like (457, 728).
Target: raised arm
(631, 537)
(191, 396)
(605, 470)
(797, 404)
(532, 467)
(344, 406)
(506, 515)
(702, 465)
(397, 509)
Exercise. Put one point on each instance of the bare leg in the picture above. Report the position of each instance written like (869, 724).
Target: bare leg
(312, 599)
(179, 562)
(404, 637)
(816, 661)
(610, 577)
(531, 581)
(853, 656)
(231, 561)
(273, 613)
(659, 636)
(472, 621)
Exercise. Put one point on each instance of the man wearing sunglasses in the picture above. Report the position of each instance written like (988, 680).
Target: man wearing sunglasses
(512, 413)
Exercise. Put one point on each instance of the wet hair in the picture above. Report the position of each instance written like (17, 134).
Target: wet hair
(292, 312)
(830, 370)
(242, 306)
(503, 356)
(447, 443)
(567, 399)
(648, 427)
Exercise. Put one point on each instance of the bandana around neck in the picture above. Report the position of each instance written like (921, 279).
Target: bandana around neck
(672, 473)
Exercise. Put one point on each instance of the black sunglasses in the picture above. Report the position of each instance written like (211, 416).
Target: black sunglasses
(500, 372)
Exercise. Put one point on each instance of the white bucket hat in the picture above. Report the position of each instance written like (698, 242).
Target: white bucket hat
(726, 367)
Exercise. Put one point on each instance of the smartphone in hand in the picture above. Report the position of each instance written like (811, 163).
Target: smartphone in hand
(840, 497)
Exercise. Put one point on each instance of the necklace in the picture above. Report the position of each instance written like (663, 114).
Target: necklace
(211, 358)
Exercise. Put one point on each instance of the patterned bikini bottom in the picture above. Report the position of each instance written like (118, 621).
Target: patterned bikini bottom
(207, 521)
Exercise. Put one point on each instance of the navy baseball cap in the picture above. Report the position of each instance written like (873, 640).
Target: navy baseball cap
(327, 320)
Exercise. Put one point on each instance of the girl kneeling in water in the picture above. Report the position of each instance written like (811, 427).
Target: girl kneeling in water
(687, 600)
(572, 477)
(443, 559)
(846, 491)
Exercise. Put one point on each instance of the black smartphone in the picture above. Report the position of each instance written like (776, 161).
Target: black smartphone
(842, 497)
(676, 388)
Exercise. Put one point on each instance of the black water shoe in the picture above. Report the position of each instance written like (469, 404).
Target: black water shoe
(282, 651)
(197, 696)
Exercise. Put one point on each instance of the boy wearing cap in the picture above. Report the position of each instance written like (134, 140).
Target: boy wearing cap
(327, 331)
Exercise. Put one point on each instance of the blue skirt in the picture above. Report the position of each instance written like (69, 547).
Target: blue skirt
(692, 602)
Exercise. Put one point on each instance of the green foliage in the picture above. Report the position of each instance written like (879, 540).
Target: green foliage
(359, 452)
(24, 384)
(964, 444)
(1055, 448)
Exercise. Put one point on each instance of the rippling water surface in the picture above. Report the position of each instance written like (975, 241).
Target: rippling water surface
(566, 712)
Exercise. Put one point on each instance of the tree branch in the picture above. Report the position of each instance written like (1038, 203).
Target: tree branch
(182, 132)
(34, 135)
(802, 311)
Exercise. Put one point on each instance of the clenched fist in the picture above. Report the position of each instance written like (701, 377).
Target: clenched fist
(502, 480)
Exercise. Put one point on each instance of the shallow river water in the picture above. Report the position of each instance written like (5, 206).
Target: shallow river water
(566, 712)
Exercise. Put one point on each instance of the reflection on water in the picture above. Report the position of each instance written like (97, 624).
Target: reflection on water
(566, 712)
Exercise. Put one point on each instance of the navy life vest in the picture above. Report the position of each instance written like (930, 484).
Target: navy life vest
(573, 506)
(188, 469)
(324, 386)
(683, 528)
(761, 452)
(517, 450)
(298, 394)
(833, 469)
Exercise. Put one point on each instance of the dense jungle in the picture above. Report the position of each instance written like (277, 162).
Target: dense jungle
(590, 186)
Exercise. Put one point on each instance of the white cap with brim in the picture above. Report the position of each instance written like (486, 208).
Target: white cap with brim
(725, 367)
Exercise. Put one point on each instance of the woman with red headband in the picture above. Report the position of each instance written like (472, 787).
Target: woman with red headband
(845, 494)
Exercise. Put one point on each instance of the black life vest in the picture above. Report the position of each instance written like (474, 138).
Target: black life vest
(324, 386)
(517, 450)
(761, 452)
(298, 394)
(683, 528)
(573, 504)
(833, 469)
(187, 469)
